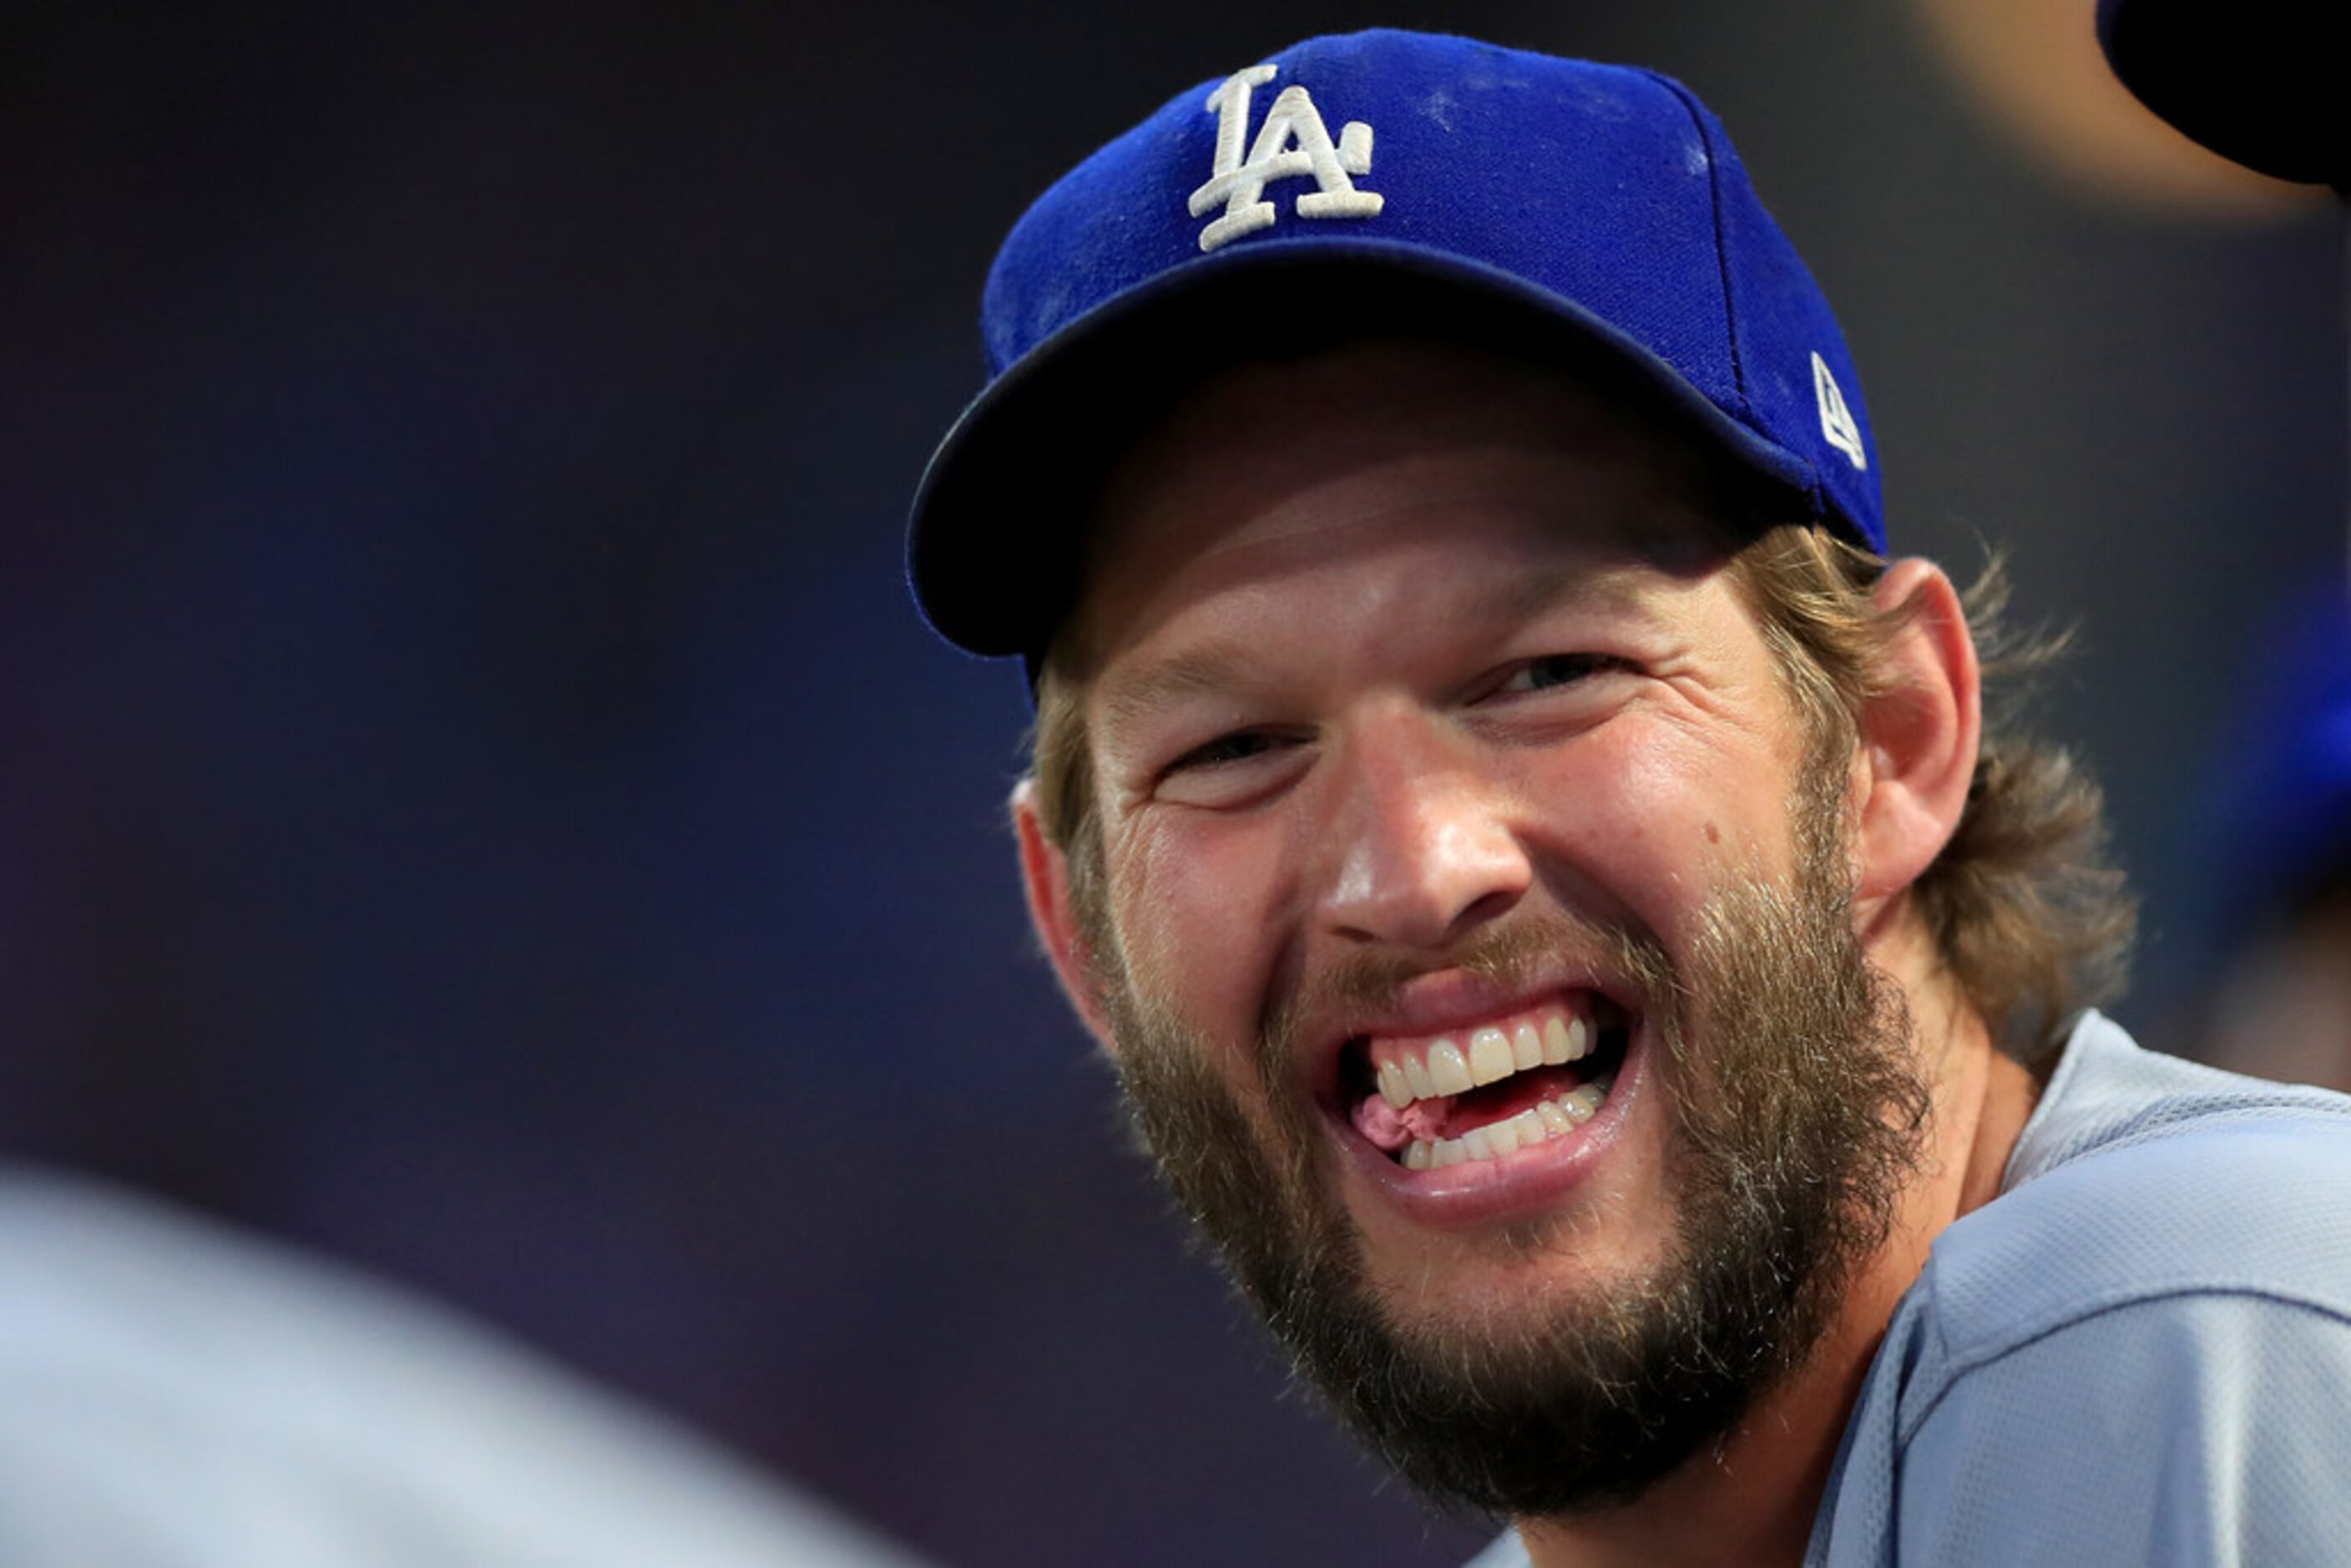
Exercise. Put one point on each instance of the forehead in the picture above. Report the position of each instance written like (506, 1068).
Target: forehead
(1474, 461)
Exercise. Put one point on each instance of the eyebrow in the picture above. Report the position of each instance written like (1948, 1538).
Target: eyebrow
(1195, 672)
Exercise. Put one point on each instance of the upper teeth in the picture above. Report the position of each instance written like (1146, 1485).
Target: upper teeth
(1446, 1064)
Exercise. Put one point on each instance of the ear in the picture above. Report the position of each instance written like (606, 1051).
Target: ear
(1918, 737)
(1045, 877)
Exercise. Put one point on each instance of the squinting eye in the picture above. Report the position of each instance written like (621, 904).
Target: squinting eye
(1238, 747)
(1234, 771)
(1554, 670)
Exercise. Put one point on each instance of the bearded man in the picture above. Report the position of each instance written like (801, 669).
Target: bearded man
(1542, 877)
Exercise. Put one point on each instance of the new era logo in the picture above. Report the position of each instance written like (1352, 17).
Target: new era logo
(1294, 141)
(1837, 424)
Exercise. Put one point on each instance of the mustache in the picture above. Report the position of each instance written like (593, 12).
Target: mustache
(1508, 953)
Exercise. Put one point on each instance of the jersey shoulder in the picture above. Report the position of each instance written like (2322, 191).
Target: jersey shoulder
(2140, 1357)
(2246, 1201)
(2140, 1353)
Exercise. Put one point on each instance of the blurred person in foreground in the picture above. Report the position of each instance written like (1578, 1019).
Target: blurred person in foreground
(174, 1395)
(1542, 872)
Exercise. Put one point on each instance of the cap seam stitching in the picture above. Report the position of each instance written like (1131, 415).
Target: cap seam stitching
(1823, 505)
(1721, 260)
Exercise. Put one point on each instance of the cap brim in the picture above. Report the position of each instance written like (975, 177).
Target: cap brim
(993, 552)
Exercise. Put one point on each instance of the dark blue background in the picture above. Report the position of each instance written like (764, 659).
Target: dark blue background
(476, 801)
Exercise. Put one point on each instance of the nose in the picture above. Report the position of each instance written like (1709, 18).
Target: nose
(1422, 850)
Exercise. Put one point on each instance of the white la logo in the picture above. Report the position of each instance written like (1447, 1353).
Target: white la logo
(1837, 424)
(1240, 187)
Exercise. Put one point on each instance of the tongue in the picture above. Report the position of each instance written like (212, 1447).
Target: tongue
(1391, 1129)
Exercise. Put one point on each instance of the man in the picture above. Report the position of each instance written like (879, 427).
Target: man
(1542, 878)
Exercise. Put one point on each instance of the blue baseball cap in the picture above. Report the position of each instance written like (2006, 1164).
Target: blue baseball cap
(1381, 183)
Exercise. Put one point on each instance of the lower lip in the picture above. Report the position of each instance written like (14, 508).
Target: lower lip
(1484, 1192)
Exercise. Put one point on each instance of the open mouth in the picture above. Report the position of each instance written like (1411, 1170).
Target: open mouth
(1484, 1093)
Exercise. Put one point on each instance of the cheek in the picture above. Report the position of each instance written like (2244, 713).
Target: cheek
(1197, 914)
(1645, 823)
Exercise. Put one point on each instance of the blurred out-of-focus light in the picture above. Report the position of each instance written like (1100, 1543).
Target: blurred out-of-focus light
(2034, 71)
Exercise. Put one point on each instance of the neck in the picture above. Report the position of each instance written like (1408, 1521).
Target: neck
(1751, 1497)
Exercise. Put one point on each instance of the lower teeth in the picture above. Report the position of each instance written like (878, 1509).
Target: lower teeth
(1547, 1119)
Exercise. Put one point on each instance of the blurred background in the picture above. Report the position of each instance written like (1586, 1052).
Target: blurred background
(475, 798)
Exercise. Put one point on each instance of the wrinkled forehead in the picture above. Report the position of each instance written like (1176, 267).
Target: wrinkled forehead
(1261, 463)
